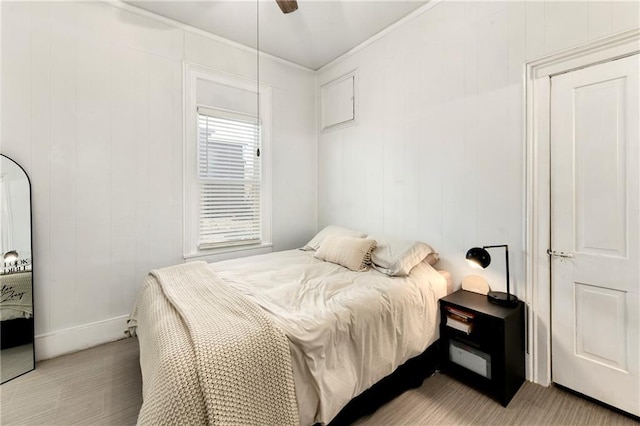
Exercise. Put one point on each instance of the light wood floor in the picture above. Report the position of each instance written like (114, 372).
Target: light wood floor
(102, 386)
(15, 361)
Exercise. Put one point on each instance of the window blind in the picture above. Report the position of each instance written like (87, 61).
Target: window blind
(229, 178)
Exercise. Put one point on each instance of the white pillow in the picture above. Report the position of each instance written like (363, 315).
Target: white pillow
(351, 252)
(316, 241)
(397, 257)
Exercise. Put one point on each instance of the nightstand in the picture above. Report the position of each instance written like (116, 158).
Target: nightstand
(482, 344)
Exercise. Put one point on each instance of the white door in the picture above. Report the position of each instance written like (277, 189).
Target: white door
(595, 220)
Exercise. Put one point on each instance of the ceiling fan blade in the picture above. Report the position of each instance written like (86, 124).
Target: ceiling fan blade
(287, 6)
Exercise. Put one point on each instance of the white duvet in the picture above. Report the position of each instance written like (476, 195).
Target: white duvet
(347, 330)
(15, 296)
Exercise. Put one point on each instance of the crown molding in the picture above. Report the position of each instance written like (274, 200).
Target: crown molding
(184, 27)
(176, 24)
(400, 23)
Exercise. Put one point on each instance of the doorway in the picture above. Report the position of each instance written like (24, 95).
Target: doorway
(538, 76)
(595, 232)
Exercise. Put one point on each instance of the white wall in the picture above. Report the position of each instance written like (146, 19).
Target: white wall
(438, 151)
(92, 109)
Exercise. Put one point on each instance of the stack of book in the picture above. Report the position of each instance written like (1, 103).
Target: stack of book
(460, 320)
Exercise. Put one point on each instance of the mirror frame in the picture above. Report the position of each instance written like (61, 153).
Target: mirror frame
(33, 330)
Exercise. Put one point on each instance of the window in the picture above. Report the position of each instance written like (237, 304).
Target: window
(227, 185)
(229, 178)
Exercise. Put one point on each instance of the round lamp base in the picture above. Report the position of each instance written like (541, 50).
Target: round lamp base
(502, 298)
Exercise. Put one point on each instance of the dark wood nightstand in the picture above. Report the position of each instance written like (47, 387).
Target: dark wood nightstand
(483, 344)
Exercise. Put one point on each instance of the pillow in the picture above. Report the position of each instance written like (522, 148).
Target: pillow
(316, 241)
(351, 252)
(397, 257)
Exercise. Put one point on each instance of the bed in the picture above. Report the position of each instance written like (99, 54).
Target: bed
(16, 310)
(345, 331)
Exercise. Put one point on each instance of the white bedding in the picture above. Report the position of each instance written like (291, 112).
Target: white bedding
(347, 330)
(15, 297)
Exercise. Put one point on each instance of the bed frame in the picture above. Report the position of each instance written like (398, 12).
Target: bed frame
(409, 375)
(16, 332)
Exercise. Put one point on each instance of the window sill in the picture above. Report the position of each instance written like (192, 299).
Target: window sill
(226, 253)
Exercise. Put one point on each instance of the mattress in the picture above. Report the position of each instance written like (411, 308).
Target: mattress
(347, 330)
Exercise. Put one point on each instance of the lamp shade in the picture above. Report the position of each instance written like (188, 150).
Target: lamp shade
(479, 257)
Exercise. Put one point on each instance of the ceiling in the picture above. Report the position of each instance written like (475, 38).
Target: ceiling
(314, 35)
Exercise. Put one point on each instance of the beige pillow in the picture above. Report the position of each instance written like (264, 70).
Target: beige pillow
(350, 252)
(316, 241)
(397, 257)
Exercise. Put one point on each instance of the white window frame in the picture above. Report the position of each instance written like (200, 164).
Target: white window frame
(192, 74)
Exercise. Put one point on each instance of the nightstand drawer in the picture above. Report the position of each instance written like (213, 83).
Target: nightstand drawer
(470, 358)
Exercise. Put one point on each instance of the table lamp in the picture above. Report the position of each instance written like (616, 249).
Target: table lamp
(479, 257)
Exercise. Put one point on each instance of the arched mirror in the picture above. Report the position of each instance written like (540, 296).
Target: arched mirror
(16, 303)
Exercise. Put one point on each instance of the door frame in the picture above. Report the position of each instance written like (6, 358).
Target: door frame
(537, 132)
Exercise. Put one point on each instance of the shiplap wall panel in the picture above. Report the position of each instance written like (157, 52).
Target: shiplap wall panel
(558, 14)
(535, 29)
(624, 15)
(163, 198)
(443, 96)
(124, 160)
(290, 179)
(63, 192)
(454, 113)
(16, 41)
(493, 85)
(219, 56)
(40, 111)
(600, 21)
(92, 108)
(93, 138)
(142, 181)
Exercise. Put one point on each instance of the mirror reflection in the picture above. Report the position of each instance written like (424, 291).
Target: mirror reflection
(16, 300)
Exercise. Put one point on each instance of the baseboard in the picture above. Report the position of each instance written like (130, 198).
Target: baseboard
(73, 339)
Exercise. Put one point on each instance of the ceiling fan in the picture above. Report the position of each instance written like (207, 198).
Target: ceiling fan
(287, 6)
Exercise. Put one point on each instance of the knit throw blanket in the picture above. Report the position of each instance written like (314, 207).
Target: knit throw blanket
(208, 355)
